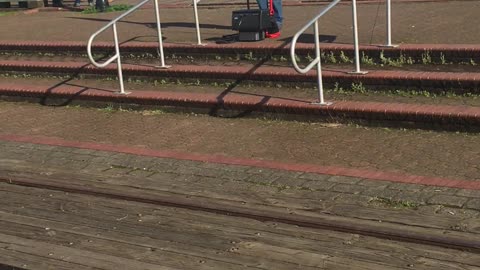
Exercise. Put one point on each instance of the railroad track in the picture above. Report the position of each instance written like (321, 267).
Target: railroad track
(411, 234)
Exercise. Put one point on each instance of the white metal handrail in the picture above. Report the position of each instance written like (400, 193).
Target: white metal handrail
(389, 25)
(317, 60)
(197, 24)
(113, 24)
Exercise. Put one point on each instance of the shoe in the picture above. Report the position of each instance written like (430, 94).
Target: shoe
(90, 3)
(279, 25)
(76, 5)
(272, 35)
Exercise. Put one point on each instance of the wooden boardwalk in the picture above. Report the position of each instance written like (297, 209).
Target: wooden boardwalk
(66, 208)
(44, 229)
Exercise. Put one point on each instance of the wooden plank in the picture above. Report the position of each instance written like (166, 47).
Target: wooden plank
(415, 218)
(102, 242)
(241, 192)
(153, 194)
(239, 234)
(158, 238)
(14, 260)
(310, 258)
(75, 256)
(183, 241)
(93, 242)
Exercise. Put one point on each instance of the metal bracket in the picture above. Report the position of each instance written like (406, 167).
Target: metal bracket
(322, 104)
(389, 46)
(124, 93)
(357, 72)
(163, 67)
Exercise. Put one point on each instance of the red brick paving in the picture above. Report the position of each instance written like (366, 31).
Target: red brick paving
(310, 168)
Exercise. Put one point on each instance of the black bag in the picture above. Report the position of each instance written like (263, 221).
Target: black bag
(250, 20)
(253, 23)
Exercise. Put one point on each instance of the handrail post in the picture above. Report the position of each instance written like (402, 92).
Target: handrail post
(355, 40)
(197, 24)
(317, 60)
(389, 26)
(319, 65)
(160, 41)
(119, 62)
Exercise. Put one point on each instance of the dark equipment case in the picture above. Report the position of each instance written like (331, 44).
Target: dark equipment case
(251, 24)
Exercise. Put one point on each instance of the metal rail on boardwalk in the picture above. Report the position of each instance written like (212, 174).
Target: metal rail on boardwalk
(113, 24)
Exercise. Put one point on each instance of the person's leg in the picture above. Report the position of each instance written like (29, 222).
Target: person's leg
(277, 20)
(100, 5)
(263, 4)
(77, 3)
(278, 12)
(57, 3)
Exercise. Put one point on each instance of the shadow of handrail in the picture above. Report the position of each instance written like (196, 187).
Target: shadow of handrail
(164, 25)
(220, 98)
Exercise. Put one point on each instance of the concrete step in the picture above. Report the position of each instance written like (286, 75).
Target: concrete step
(464, 117)
(434, 82)
(420, 53)
(246, 88)
(243, 59)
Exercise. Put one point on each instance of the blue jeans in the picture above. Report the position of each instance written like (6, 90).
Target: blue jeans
(78, 1)
(277, 9)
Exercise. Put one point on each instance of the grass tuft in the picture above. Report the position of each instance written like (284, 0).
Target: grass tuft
(112, 8)
(393, 203)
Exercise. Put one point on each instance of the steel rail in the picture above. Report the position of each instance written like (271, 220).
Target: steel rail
(420, 235)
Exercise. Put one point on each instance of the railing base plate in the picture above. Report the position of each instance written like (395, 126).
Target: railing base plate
(389, 46)
(358, 72)
(163, 67)
(322, 104)
(124, 93)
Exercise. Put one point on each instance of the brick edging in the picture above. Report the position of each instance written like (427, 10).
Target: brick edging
(297, 167)
(420, 114)
(448, 50)
(465, 82)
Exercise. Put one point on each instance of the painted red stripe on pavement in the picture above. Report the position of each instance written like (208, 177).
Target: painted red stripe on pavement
(299, 167)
